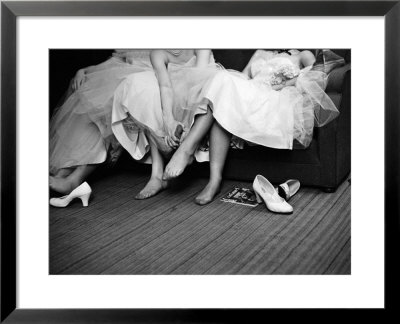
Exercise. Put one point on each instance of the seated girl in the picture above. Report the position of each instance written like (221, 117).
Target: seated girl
(154, 111)
(80, 128)
(276, 99)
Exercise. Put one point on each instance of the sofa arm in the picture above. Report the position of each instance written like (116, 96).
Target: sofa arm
(336, 78)
(334, 139)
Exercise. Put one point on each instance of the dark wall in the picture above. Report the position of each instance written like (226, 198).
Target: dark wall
(65, 63)
(63, 66)
(233, 59)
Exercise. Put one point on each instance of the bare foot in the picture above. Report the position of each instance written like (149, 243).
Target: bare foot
(179, 161)
(209, 192)
(62, 185)
(153, 187)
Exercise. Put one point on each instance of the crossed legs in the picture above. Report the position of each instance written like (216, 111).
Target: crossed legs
(159, 179)
(219, 146)
(68, 179)
(184, 154)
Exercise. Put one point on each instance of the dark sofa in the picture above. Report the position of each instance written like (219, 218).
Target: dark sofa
(325, 163)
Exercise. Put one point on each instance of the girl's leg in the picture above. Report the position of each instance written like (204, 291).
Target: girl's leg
(184, 154)
(73, 180)
(219, 146)
(156, 183)
(63, 173)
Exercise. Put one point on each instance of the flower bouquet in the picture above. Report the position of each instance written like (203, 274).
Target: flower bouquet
(284, 73)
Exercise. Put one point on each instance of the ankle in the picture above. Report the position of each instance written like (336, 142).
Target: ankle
(157, 173)
(215, 181)
(156, 177)
(74, 181)
(188, 149)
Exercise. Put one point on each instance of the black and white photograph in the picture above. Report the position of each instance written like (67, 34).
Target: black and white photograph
(200, 161)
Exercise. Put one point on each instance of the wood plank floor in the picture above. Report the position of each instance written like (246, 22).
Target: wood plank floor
(169, 234)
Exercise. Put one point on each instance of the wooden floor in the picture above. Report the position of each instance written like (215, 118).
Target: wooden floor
(169, 234)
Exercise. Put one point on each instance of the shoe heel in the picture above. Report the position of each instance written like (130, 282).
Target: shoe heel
(258, 197)
(85, 199)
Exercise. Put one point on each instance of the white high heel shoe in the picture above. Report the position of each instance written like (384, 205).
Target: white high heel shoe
(266, 192)
(83, 192)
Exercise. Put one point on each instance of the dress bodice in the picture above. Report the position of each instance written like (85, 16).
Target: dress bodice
(133, 56)
(266, 65)
(190, 63)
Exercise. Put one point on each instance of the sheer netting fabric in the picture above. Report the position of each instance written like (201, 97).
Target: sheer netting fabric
(80, 128)
(250, 109)
(137, 109)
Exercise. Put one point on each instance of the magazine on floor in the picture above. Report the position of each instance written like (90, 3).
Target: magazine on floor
(241, 196)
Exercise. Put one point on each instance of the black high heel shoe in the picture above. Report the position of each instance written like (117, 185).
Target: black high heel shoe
(288, 189)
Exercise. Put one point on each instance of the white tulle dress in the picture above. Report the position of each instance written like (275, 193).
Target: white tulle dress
(80, 129)
(137, 107)
(250, 109)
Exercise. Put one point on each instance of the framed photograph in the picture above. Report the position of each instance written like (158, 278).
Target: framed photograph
(191, 161)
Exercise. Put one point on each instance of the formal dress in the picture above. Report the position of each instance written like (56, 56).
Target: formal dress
(137, 108)
(249, 107)
(80, 128)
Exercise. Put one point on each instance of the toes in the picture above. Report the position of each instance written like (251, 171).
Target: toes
(202, 202)
(206, 196)
(171, 174)
(165, 175)
(153, 187)
(168, 175)
(147, 194)
(141, 196)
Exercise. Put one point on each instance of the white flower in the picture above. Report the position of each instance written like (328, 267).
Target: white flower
(288, 71)
(276, 79)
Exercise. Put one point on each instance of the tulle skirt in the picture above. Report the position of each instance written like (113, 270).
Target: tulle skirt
(254, 112)
(137, 109)
(80, 129)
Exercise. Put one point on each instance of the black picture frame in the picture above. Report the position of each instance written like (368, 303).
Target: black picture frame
(11, 10)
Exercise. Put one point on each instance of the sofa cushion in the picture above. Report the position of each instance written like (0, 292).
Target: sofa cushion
(336, 78)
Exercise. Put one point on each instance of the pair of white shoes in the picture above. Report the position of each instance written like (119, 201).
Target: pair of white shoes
(275, 198)
(82, 192)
